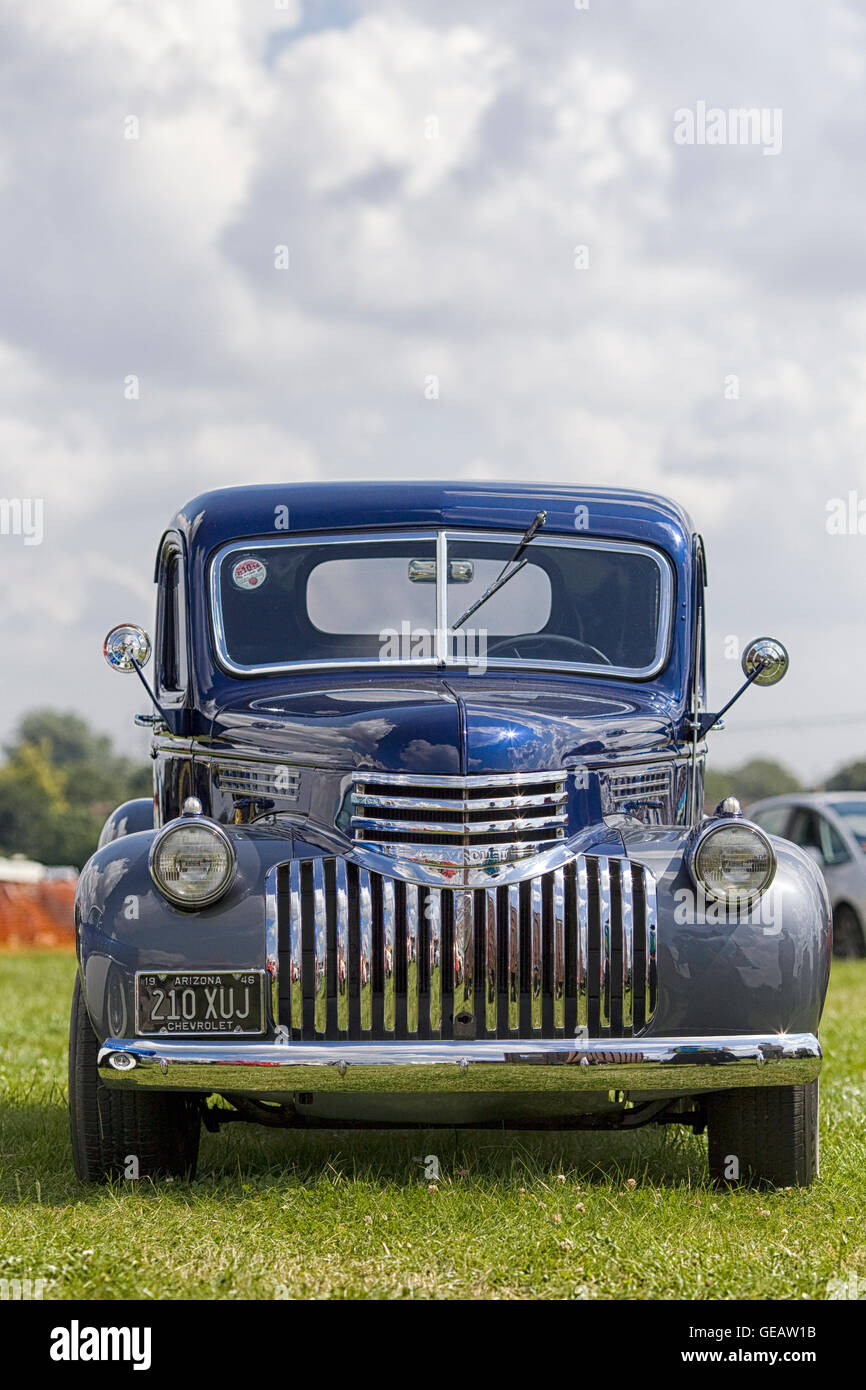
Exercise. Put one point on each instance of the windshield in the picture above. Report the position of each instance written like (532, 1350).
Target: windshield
(380, 600)
(855, 817)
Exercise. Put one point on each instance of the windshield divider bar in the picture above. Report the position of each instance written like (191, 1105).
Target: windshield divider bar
(441, 646)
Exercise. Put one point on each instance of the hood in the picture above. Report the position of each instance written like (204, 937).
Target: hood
(442, 727)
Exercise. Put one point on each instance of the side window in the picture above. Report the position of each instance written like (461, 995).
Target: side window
(774, 819)
(171, 627)
(804, 831)
(703, 602)
(812, 831)
(832, 844)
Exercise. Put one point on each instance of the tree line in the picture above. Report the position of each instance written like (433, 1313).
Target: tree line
(760, 777)
(58, 782)
(60, 779)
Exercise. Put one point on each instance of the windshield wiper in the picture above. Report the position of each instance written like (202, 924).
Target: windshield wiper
(503, 577)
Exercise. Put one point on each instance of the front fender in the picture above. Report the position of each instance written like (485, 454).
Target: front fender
(126, 819)
(761, 971)
(765, 969)
(124, 924)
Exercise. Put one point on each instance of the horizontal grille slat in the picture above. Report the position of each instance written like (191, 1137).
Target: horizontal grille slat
(647, 794)
(459, 804)
(488, 815)
(460, 827)
(433, 848)
(266, 780)
(366, 956)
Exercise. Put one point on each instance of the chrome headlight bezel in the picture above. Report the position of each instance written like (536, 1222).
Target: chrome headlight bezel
(711, 831)
(216, 831)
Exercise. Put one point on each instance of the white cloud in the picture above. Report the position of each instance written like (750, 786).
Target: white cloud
(309, 126)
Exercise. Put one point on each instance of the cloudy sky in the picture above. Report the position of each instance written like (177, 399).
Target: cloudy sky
(433, 171)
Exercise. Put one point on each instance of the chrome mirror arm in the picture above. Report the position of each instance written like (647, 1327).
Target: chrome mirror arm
(765, 661)
(703, 725)
(127, 648)
(146, 683)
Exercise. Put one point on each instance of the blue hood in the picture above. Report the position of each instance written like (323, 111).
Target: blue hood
(444, 726)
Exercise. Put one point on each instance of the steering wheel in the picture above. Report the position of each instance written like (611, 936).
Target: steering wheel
(529, 642)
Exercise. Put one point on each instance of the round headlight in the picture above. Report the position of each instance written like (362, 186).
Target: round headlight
(192, 862)
(733, 863)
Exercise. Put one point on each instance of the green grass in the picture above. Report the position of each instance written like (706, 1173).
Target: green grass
(331, 1215)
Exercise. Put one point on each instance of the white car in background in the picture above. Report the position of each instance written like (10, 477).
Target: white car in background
(831, 826)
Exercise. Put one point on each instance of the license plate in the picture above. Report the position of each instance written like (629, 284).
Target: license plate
(199, 1003)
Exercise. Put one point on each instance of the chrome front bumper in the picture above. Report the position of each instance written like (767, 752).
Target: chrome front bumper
(679, 1065)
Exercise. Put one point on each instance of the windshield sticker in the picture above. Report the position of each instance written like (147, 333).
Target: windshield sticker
(249, 574)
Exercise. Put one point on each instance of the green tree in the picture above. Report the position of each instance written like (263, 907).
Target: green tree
(755, 779)
(59, 782)
(850, 778)
(92, 767)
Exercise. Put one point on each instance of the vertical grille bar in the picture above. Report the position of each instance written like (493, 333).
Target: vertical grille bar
(557, 977)
(627, 911)
(411, 958)
(320, 947)
(342, 907)
(364, 955)
(514, 957)
(604, 941)
(491, 961)
(433, 911)
(464, 954)
(536, 968)
(581, 984)
(651, 944)
(365, 914)
(639, 879)
(389, 962)
(296, 968)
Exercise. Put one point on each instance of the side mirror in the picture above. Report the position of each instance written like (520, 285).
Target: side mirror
(126, 646)
(766, 660)
(814, 853)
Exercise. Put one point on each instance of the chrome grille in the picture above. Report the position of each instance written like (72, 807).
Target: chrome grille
(363, 956)
(642, 792)
(258, 780)
(459, 820)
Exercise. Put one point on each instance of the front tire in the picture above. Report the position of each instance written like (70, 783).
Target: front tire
(848, 943)
(109, 1128)
(764, 1135)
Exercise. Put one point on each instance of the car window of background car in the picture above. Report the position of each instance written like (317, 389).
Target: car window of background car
(854, 813)
(812, 831)
(804, 830)
(832, 844)
(774, 819)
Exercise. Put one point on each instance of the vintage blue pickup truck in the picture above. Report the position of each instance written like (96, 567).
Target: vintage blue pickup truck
(427, 844)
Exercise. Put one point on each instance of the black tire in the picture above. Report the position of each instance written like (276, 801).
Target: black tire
(109, 1127)
(848, 943)
(764, 1135)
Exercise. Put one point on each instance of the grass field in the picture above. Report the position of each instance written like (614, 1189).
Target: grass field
(335, 1215)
